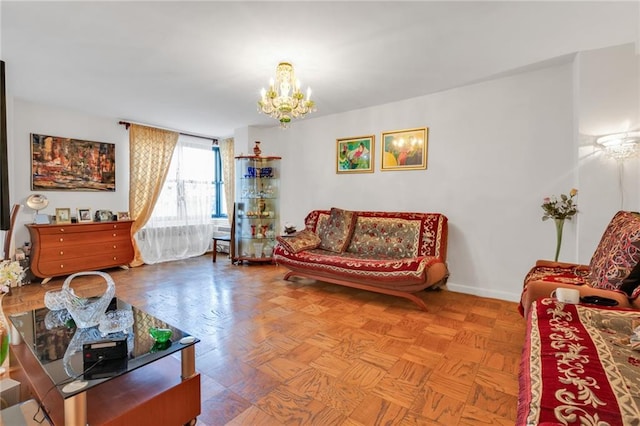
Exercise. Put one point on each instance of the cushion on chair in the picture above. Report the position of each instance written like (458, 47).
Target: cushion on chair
(570, 274)
(617, 253)
(631, 284)
(303, 240)
(335, 233)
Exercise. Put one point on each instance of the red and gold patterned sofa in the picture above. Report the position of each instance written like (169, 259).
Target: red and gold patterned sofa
(580, 366)
(614, 270)
(394, 253)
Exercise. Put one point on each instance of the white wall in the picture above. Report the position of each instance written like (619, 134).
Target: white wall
(495, 150)
(25, 118)
(609, 102)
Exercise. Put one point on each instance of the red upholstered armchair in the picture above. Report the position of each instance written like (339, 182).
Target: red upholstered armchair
(612, 273)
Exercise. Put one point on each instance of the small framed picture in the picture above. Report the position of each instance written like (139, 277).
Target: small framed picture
(123, 216)
(355, 155)
(63, 215)
(103, 215)
(84, 215)
(405, 149)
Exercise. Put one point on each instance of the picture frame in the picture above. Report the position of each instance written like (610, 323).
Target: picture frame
(84, 215)
(103, 216)
(355, 154)
(405, 149)
(66, 164)
(123, 216)
(63, 215)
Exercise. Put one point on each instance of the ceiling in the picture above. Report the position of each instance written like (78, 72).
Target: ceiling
(198, 67)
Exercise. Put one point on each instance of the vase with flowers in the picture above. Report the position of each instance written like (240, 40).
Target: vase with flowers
(560, 209)
(11, 275)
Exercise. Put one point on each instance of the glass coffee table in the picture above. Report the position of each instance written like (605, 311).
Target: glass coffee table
(100, 374)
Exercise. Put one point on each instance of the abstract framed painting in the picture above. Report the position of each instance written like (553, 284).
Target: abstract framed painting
(355, 154)
(65, 164)
(405, 149)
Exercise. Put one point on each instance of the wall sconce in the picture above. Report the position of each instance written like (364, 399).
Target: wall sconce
(621, 146)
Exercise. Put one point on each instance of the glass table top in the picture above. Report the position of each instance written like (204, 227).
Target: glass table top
(77, 359)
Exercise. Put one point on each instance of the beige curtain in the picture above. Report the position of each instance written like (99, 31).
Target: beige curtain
(228, 170)
(150, 152)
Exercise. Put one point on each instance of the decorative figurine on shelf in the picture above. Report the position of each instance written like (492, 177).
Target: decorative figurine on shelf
(289, 229)
(256, 149)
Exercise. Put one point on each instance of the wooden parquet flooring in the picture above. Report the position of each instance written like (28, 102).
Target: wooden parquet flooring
(274, 352)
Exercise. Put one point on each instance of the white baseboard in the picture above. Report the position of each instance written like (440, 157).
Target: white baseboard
(494, 294)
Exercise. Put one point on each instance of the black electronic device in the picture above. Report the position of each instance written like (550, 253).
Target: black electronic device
(104, 350)
(598, 300)
(104, 369)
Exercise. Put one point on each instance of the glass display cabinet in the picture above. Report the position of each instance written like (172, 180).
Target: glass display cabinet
(256, 216)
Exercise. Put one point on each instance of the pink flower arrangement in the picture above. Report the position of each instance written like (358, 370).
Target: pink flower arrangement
(560, 208)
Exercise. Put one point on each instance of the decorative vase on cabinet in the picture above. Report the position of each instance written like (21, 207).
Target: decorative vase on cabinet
(256, 217)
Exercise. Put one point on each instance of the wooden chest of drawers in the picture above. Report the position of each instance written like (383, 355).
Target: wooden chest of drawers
(74, 247)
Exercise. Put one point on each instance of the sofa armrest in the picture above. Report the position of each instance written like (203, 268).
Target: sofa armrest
(552, 264)
(539, 289)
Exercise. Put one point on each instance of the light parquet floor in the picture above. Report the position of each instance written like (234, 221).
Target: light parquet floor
(274, 352)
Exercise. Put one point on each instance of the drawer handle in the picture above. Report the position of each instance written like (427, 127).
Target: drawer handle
(61, 239)
(115, 246)
(115, 235)
(61, 229)
(61, 266)
(115, 226)
(61, 253)
(115, 258)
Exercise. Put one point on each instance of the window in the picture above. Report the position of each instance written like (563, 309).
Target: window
(194, 176)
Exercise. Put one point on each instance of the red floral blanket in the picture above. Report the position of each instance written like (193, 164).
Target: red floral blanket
(578, 367)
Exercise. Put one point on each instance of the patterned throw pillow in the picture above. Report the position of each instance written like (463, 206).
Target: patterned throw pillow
(303, 240)
(631, 284)
(335, 233)
(617, 253)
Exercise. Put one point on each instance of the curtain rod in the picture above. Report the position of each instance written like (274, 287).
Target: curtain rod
(127, 124)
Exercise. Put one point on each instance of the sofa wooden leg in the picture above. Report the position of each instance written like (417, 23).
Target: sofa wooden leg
(390, 292)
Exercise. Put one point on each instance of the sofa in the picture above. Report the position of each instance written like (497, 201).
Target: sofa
(580, 366)
(613, 272)
(393, 253)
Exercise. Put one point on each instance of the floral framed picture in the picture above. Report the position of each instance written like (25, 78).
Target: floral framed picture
(63, 215)
(84, 215)
(405, 149)
(355, 154)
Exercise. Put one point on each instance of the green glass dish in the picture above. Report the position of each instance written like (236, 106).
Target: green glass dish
(160, 334)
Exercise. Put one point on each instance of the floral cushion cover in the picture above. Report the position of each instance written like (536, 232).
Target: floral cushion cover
(303, 240)
(392, 234)
(335, 232)
(574, 274)
(617, 253)
(578, 367)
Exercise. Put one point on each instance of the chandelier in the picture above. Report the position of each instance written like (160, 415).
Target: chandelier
(284, 100)
(621, 146)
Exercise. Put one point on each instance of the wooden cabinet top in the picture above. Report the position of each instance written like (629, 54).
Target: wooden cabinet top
(80, 227)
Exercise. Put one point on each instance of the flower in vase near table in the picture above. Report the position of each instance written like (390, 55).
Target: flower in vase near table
(11, 275)
(560, 208)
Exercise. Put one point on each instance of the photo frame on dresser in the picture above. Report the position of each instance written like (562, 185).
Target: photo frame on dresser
(63, 215)
(84, 215)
